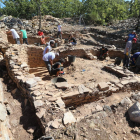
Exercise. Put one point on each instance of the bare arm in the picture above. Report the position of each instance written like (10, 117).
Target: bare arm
(47, 50)
(8, 32)
(51, 61)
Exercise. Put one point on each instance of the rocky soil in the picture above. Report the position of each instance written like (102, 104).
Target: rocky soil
(22, 122)
(106, 119)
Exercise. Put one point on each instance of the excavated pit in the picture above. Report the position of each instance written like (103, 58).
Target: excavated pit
(87, 82)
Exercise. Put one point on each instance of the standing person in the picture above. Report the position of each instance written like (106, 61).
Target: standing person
(72, 40)
(59, 31)
(49, 47)
(15, 35)
(48, 59)
(128, 48)
(24, 36)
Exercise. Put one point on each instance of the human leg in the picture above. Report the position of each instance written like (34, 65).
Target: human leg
(127, 61)
(58, 33)
(48, 65)
(17, 41)
(26, 41)
(124, 60)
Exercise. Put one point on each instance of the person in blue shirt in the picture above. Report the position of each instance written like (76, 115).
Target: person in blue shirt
(128, 48)
(134, 58)
(131, 36)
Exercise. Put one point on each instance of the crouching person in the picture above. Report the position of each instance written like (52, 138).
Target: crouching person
(134, 58)
(103, 53)
(48, 59)
(57, 67)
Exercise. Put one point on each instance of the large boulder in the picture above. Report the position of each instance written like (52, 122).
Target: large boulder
(134, 112)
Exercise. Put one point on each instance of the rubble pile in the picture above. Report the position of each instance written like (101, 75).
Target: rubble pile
(125, 24)
(48, 23)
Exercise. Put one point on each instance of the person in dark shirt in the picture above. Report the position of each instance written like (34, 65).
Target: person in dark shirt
(103, 53)
(72, 40)
(57, 68)
(134, 58)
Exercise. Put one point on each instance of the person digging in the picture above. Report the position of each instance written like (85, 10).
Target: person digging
(48, 59)
(134, 58)
(49, 47)
(57, 68)
(103, 53)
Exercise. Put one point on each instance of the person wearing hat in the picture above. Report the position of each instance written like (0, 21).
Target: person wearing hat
(48, 59)
(103, 53)
(57, 68)
(131, 36)
(128, 48)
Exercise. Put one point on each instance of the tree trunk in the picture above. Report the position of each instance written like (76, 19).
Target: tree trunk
(39, 16)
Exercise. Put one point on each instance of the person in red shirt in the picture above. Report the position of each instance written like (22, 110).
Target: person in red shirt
(40, 33)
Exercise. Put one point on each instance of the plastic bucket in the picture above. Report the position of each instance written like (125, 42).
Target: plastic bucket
(71, 58)
(58, 79)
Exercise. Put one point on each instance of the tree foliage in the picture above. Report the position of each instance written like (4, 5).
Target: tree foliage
(94, 11)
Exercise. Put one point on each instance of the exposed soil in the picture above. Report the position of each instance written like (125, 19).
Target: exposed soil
(81, 72)
(20, 114)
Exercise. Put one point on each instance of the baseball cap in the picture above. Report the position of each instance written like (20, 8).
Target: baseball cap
(134, 31)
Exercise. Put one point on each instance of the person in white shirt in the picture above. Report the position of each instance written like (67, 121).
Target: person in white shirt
(49, 47)
(48, 59)
(59, 31)
(15, 35)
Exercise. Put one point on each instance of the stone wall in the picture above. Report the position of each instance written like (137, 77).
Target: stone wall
(4, 121)
(31, 39)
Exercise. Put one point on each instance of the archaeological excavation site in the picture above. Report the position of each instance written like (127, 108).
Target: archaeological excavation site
(92, 100)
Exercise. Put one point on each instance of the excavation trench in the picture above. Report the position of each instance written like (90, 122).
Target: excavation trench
(28, 71)
(20, 111)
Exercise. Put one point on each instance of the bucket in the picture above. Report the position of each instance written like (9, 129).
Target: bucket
(71, 58)
(58, 79)
(55, 45)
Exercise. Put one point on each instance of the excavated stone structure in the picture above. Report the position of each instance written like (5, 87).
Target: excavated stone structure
(20, 58)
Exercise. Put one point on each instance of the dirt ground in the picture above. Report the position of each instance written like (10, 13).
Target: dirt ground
(102, 120)
(21, 117)
(83, 71)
